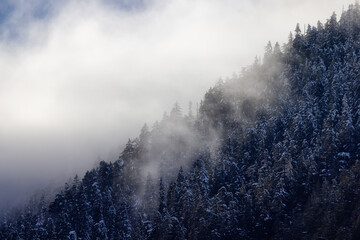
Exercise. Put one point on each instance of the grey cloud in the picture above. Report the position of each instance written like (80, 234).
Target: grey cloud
(84, 80)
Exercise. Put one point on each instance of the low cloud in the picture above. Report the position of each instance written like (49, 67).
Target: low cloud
(78, 79)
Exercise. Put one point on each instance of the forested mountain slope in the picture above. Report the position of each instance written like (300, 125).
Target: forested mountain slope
(271, 153)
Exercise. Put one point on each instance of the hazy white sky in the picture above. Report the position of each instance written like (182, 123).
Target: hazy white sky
(77, 83)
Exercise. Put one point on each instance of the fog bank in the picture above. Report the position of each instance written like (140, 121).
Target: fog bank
(78, 79)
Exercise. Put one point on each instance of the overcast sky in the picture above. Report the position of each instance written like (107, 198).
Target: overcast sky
(78, 78)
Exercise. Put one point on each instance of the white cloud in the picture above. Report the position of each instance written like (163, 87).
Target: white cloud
(80, 83)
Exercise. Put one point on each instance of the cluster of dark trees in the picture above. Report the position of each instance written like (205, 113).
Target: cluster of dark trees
(277, 160)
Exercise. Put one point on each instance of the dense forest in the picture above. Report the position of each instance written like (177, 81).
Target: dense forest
(270, 153)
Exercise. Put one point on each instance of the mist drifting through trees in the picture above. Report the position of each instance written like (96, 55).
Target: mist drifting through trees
(270, 153)
(78, 78)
